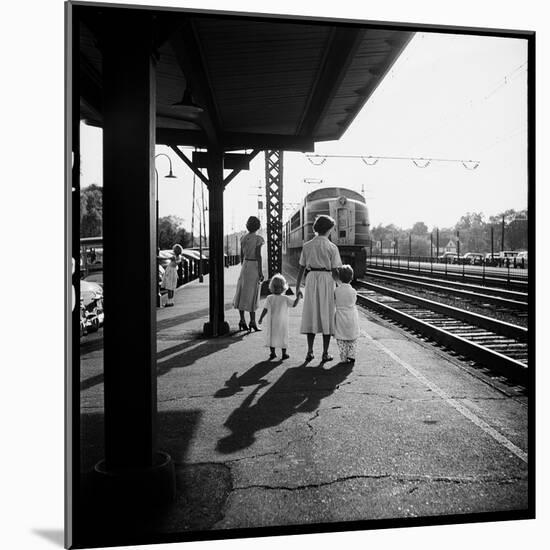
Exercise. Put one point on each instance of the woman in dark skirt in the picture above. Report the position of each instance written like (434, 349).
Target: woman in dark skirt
(247, 294)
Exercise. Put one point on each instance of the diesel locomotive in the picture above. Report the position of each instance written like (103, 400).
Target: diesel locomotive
(351, 233)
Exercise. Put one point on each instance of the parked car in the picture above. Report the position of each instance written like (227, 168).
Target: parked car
(504, 254)
(521, 258)
(474, 258)
(449, 257)
(91, 306)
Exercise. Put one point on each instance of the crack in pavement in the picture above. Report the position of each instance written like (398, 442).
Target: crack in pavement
(251, 457)
(171, 399)
(399, 479)
(434, 398)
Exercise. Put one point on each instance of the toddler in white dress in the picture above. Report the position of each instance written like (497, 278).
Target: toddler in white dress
(346, 318)
(170, 280)
(277, 304)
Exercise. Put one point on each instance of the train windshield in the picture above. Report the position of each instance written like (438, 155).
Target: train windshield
(334, 192)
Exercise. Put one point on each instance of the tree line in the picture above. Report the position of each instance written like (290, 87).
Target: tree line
(474, 232)
(170, 228)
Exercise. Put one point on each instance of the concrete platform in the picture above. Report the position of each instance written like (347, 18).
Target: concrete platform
(406, 432)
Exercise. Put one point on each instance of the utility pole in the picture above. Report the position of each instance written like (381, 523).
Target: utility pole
(203, 217)
(193, 215)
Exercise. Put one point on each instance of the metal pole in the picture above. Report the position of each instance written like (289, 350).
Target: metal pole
(502, 237)
(193, 215)
(203, 217)
(492, 243)
(410, 245)
(159, 295)
(201, 278)
(437, 242)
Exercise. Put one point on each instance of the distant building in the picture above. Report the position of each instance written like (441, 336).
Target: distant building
(451, 247)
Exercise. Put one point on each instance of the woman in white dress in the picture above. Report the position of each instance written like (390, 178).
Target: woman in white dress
(248, 286)
(320, 260)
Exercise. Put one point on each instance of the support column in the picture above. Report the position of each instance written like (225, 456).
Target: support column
(130, 270)
(72, 271)
(216, 325)
(274, 209)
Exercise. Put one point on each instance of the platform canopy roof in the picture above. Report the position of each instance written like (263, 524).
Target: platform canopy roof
(262, 83)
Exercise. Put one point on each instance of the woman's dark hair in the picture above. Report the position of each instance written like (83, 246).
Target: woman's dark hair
(345, 273)
(323, 224)
(253, 224)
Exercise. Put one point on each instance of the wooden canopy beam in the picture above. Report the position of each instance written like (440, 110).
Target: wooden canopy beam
(233, 174)
(236, 141)
(187, 52)
(90, 86)
(344, 43)
(189, 163)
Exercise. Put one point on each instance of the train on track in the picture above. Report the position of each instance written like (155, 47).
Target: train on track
(351, 232)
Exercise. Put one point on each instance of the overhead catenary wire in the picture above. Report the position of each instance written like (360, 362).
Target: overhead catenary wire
(474, 103)
(371, 160)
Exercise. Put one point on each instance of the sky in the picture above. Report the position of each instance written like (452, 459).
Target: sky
(447, 96)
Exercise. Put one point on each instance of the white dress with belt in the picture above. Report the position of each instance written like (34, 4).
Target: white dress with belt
(319, 256)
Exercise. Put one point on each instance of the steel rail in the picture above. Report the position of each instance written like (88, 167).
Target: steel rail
(468, 294)
(454, 274)
(499, 292)
(498, 327)
(505, 365)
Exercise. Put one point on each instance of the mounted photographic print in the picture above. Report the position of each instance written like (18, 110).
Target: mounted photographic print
(300, 295)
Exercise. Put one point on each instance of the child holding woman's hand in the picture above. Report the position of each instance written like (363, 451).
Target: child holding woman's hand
(277, 304)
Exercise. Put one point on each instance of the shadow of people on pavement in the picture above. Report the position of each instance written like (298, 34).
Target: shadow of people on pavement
(299, 389)
(187, 357)
(251, 377)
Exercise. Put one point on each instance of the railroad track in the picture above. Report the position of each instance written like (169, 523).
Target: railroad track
(486, 278)
(495, 344)
(515, 302)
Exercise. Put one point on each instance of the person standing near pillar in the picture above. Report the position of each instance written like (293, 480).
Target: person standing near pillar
(177, 249)
(320, 259)
(247, 294)
(170, 280)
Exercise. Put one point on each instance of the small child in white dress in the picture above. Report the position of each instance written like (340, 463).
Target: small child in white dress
(277, 304)
(346, 318)
(170, 280)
